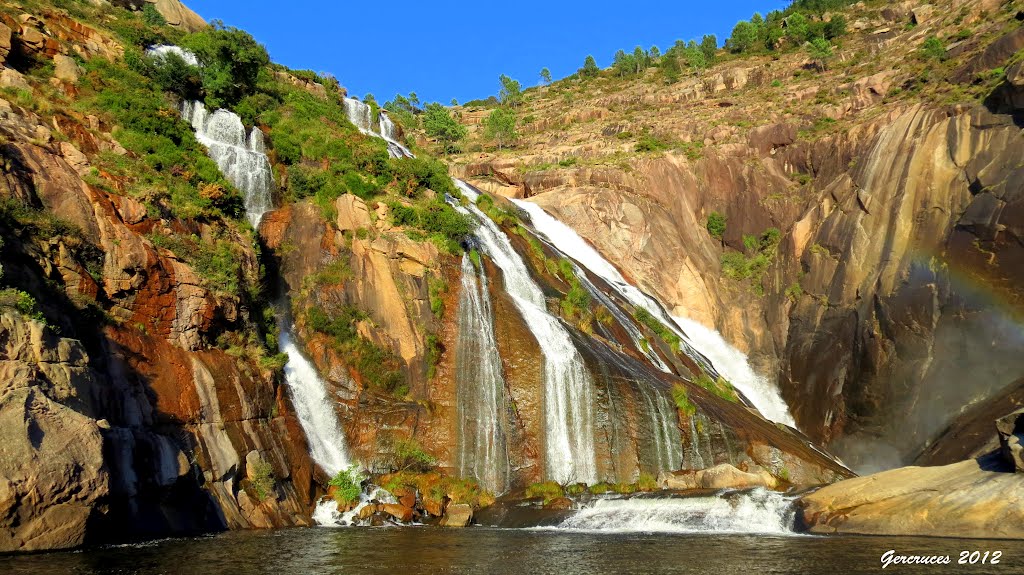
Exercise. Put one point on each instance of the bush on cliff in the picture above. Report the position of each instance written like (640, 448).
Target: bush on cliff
(231, 62)
(347, 484)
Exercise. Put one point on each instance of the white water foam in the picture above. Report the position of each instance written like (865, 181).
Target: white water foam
(757, 512)
(732, 364)
(162, 50)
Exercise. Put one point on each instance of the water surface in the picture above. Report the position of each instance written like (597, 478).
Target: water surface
(414, 550)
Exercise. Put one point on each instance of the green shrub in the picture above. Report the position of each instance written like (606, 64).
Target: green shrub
(408, 455)
(646, 482)
(548, 490)
(666, 334)
(716, 225)
(719, 387)
(348, 485)
(682, 399)
(152, 17)
(231, 62)
(21, 302)
(262, 480)
(933, 49)
(216, 262)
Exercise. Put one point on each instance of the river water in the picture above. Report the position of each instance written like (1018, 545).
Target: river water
(413, 550)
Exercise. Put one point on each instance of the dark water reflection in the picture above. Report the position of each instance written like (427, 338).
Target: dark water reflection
(409, 551)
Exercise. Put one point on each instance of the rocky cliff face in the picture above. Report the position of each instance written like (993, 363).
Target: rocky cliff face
(894, 285)
(131, 422)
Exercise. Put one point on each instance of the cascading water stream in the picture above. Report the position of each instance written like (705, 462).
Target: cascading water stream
(243, 160)
(706, 346)
(568, 389)
(481, 405)
(757, 511)
(314, 408)
(241, 157)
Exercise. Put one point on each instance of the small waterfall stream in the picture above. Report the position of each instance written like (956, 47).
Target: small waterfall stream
(705, 345)
(568, 389)
(481, 404)
(315, 409)
(361, 114)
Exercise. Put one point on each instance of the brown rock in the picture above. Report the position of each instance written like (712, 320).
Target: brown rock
(922, 14)
(65, 68)
(179, 15)
(352, 213)
(723, 476)
(408, 500)
(399, 512)
(435, 507)
(5, 42)
(52, 472)
(968, 499)
(367, 511)
(11, 78)
(457, 515)
(559, 503)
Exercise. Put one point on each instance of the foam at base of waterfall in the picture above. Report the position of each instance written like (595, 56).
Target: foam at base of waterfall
(326, 513)
(314, 408)
(756, 512)
(732, 364)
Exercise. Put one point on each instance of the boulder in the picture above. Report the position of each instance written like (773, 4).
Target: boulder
(1011, 433)
(399, 512)
(65, 68)
(723, 476)
(352, 213)
(179, 15)
(52, 472)
(457, 515)
(922, 14)
(1015, 75)
(977, 498)
(5, 42)
(767, 138)
(11, 78)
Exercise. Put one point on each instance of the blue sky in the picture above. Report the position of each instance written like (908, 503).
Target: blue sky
(443, 50)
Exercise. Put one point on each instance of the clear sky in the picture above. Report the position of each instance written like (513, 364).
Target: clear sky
(445, 49)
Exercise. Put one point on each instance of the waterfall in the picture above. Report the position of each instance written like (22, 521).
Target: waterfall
(241, 157)
(568, 389)
(757, 511)
(481, 404)
(706, 346)
(160, 51)
(314, 408)
(733, 366)
(361, 114)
